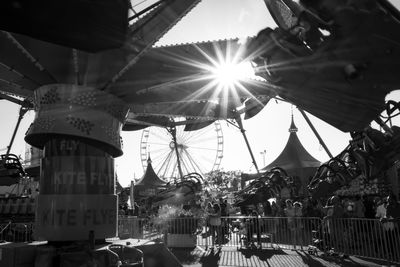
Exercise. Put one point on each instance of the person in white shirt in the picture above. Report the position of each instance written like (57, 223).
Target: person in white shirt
(381, 214)
(380, 210)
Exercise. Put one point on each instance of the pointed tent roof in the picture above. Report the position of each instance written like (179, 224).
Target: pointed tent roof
(150, 178)
(294, 155)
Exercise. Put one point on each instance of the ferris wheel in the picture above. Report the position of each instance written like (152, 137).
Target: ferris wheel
(198, 151)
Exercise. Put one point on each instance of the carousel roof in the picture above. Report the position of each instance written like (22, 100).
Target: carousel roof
(294, 155)
(150, 178)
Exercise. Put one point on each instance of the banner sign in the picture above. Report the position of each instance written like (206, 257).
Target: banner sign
(77, 175)
(76, 215)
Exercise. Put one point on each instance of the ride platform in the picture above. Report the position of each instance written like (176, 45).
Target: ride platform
(47, 255)
(229, 256)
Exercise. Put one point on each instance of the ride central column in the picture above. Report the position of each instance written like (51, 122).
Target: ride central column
(78, 128)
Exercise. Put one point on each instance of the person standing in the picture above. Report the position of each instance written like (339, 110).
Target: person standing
(224, 214)
(224, 207)
(334, 211)
(298, 213)
(380, 209)
(267, 209)
(136, 209)
(208, 209)
(253, 227)
(215, 225)
(393, 208)
(290, 214)
(391, 223)
(359, 207)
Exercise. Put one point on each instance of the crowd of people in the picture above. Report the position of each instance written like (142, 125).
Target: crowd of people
(291, 215)
(369, 207)
(288, 220)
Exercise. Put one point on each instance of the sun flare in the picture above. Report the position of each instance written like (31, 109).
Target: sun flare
(227, 74)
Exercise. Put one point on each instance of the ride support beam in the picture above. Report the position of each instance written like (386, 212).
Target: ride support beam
(78, 128)
(145, 32)
(316, 133)
(243, 131)
(22, 112)
(172, 131)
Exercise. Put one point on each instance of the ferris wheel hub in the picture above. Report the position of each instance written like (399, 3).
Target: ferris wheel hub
(179, 146)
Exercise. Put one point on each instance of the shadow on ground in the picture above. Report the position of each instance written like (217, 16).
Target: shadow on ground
(187, 256)
(209, 258)
(340, 260)
(314, 261)
(263, 255)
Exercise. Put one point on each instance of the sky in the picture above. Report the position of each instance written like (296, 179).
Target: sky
(268, 130)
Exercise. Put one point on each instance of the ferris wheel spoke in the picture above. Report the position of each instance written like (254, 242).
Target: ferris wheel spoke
(193, 139)
(190, 167)
(160, 157)
(196, 134)
(160, 144)
(188, 135)
(158, 161)
(192, 163)
(158, 152)
(183, 158)
(165, 163)
(185, 169)
(158, 149)
(173, 171)
(174, 167)
(163, 136)
(202, 160)
(203, 148)
(201, 139)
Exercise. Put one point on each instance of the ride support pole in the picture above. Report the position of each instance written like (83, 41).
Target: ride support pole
(243, 131)
(22, 112)
(316, 133)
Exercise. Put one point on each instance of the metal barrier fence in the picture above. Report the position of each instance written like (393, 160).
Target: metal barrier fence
(16, 232)
(260, 232)
(362, 237)
(133, 227)
(368, 238)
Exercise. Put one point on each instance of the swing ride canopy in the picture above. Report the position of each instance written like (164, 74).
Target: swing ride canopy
(343, 82)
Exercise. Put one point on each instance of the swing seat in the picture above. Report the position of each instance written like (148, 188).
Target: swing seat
(10, 170)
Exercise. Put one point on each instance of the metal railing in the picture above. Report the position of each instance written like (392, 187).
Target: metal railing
(259, 232)
(16, 232)
(362, 237)
(368, 238)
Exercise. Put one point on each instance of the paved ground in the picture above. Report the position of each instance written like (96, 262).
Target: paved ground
(228, 257)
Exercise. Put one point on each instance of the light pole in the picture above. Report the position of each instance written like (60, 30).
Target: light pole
(263, 154)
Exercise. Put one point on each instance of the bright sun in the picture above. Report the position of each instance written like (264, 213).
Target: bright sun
(228, 74)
